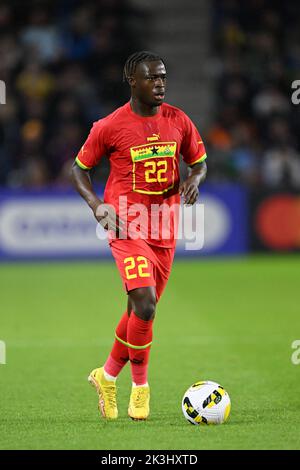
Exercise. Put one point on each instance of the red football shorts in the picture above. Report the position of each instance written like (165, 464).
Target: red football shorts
(142, 265)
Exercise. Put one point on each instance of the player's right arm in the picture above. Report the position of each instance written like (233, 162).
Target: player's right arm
(104, 213)
(88, 157)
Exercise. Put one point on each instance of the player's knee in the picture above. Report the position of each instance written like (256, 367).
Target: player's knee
(144, 303)
(146, 310)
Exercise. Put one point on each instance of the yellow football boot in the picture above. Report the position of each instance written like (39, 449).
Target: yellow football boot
(139, 403)
(107, 392)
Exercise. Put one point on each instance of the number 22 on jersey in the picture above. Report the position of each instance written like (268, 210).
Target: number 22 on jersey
(153, 167)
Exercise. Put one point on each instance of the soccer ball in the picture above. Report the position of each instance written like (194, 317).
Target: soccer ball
(206, 403)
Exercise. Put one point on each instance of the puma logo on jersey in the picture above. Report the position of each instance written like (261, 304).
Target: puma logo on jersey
(153, 138)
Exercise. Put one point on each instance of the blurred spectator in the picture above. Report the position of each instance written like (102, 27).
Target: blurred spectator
(34, 82)
(76, 38)
(270, 100)
(9, 131)
(281, 168)
(281, 161)
(244, 155)
(255, 137)
(40, 38)
(62, 64)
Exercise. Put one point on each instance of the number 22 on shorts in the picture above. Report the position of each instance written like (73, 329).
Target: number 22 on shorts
(136, 266)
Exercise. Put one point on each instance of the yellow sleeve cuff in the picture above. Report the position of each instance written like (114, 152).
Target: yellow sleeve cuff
(81, 165)
(199, 160)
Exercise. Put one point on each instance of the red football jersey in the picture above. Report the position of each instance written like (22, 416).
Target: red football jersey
(144, 164)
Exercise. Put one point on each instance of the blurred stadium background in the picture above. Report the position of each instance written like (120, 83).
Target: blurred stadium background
(230, 67)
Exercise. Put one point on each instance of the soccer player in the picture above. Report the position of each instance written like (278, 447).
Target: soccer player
(142, 140)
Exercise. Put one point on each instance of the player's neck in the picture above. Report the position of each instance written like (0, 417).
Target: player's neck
(142, 109)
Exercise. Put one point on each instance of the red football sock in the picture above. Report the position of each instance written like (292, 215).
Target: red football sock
(119, 354)
(139, 335)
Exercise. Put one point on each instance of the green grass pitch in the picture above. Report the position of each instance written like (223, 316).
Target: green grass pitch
(231, 321)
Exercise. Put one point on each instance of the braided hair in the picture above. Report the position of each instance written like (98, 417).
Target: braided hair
(135, 59)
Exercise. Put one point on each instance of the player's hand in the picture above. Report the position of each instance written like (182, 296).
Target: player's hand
(189, 190)
(108, 218)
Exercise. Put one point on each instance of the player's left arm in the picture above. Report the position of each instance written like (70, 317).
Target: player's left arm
(194, 155)
(189, 188)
